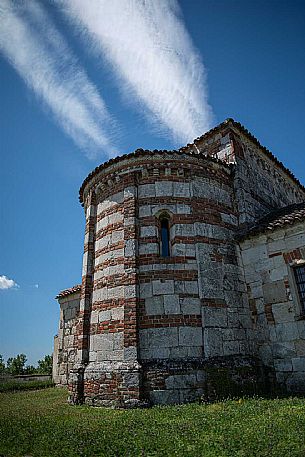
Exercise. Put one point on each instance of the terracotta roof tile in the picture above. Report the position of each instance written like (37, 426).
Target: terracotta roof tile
(140, 153)
(276, 219)
(71, 290)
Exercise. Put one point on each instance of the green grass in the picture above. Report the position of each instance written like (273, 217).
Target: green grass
(12, 386)
(42, 424)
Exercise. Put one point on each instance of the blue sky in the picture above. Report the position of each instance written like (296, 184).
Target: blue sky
(70, 99)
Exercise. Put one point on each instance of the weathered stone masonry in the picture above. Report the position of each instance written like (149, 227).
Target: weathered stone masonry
(154, 329)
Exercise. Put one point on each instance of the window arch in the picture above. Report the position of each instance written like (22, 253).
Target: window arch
(164, 236)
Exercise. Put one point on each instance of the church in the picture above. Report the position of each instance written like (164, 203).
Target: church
(193, 277)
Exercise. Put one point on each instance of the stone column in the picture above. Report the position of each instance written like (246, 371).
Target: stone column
(76, 376)
(132, 377)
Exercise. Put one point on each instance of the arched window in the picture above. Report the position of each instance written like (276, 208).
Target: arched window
(165, 236)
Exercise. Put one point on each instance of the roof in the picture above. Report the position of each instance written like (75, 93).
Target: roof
(185, 150)
(277, 219)
(252, 138)
(140, 153)
(71, 290)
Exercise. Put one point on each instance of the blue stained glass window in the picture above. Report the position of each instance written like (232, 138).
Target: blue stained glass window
(164, 237)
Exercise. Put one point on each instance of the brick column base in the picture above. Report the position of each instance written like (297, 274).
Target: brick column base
(76, 385)
(113, 383)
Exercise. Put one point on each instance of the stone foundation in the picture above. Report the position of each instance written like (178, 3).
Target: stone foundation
(170, 382)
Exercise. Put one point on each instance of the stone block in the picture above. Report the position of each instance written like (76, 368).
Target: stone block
(144, 211)
(164, 397)
(212, 231)
(164, 188)
(116, 292)
(130, 248)
(159, 353)
(116, 236)
(275, 292)
(183, 209)
(148, 231)
(130, 192)
(214, 317)
(282, 365)
(182, 189)
(104, 316)
(300, 347)
(129, 221)
(283, 312)
(130, 353)
(181, 381)
(231, 347)
(146, 290)
(191, 287)
(190, 336)
(287, 331)
(195, 352)
(171, 304)
(178, 352)
(159, 337)
(117, 314)
(146, 190)
(101, 342)
(130, 291)
(279, 273)
(296, 382)
(254, 254)
(131, 380)
(186, 230)
(114, 355)
(298, 363)
(163, 287)
(213, 344)
(301, 329)
(148, 248)
(266, 355)
(154, 305)
(229, 218)
(283, 350)
(190, 305)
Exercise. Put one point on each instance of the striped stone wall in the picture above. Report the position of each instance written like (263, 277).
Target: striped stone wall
(139, 309)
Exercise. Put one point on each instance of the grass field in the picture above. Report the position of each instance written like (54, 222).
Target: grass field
(42, 424)
(12, 386)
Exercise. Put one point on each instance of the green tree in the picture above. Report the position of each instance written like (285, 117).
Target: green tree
(45, 365)
(30, 369)
(16, 365)
(2, 365)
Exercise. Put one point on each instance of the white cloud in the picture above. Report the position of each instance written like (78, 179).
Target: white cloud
(153, 58)
(36, 286)
(39, 53)
(6, 283)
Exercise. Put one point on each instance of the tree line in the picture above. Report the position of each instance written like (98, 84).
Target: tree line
(17, 365)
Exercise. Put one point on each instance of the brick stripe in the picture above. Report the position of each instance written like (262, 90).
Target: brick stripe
(178, 275)
(148, 259)
(107, 249)
(170, 320)
(115, 209)
(108, 230)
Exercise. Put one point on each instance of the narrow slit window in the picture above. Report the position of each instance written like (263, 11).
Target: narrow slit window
(299, 273)
(164, 237)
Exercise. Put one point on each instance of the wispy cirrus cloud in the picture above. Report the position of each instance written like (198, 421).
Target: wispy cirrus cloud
(41, 56)
(6, 283)
(153, 58)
